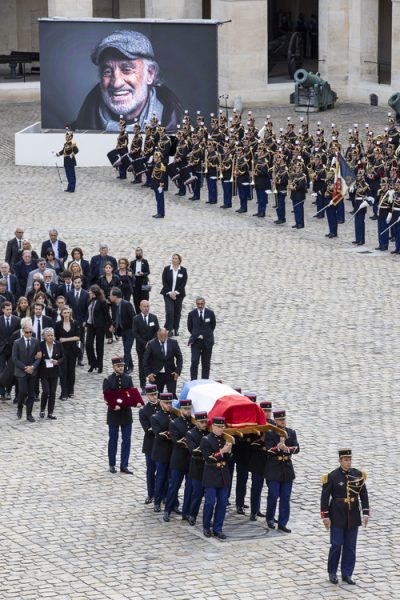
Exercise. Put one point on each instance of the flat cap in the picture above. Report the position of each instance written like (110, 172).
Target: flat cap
(131, 44)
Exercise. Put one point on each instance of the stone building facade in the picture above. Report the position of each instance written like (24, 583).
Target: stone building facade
(358, 40)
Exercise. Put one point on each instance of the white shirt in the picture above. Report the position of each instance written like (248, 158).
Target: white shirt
(55, 248)
(138, 267)
(166, 349)
(37, 320)
(50, 350)
(174, 277)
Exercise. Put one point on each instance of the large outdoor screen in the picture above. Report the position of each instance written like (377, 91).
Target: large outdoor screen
(94, 71)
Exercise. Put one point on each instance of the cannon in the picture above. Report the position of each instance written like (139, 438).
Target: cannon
(394, 103)
(312, 93)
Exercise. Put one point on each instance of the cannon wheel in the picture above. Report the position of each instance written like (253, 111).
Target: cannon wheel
(295, 53)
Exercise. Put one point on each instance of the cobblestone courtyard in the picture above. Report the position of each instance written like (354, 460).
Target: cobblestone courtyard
(304, 321)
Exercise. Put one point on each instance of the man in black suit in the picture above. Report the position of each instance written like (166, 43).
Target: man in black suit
(78, 300)
(5, 294)
(123, 325)
(145, 327)
(14, 247)
(8, 324)
(26, 357)
(163, 362)
(22, 269)
(201, 324)
(66, 286)
(59, 247)
(49, 285)
(40, 321)
(98, 261)
(11, 280)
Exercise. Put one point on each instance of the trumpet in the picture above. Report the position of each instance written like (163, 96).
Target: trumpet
(205, 161)
(252, 173)
(233, 169)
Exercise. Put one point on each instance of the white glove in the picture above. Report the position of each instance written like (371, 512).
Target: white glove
(160, 189)
(388, 218)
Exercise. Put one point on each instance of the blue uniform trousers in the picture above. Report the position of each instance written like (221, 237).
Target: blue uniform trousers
(281, 491)
(280, 206)
(127, 343)
(182, 187)
(122, 172)
(320, 204)
(70, 175)
(298, 209)
(340, 212)
(150, 475)
(196, 186)
(396, 235)
(126, 432)
(332, 219)
(383, 240)
(162, 470)
(343, 542)
(227, 187)
(243, 196)
(262, 200)
(196, 497)
(374, 194)
(242, 474)
(359, 226)
(217, 497)
(160, 202)
(257, 482)
(212, 190)
(175, 482)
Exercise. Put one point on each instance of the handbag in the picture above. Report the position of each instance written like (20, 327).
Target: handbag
(146, 287)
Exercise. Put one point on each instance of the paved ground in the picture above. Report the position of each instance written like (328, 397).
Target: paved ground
(304, 321)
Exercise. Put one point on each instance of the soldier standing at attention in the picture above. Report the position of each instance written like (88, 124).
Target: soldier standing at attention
(342, 491)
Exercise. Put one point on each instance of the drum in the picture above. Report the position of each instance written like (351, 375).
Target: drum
(126, 161)
(139, 165)
(114, 156)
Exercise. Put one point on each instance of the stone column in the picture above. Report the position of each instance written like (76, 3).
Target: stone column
(8, 27)
(363, 42)
(243, 48)
(173, 9)
(334, 42)
(395, 84)
(131, 9)
(70, 9)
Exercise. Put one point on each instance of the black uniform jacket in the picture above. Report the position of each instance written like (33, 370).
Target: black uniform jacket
(193, 439)
(180, 457)
(258, 456)
(167, 281)
(123, 416)
(216, 471)
(145, 414)
(279, 465)
(162, 447)
(341, 495)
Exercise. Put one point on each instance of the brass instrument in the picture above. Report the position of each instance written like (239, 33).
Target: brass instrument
(220, 176)
(252, 172)
(233, 169)
(206, 161)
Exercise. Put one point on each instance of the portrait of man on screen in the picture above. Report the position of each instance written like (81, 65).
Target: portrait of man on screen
(129, 85)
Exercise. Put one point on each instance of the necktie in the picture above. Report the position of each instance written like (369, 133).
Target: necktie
(28, 345)
(163, 348)
(38, 331)
(19, 244)
(77, 297)
(145, 319)
(8, 323)
(48, 287)
(201, 317)
(68, 289)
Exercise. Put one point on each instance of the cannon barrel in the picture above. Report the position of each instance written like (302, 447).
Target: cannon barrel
(307, 79)
(394, 103)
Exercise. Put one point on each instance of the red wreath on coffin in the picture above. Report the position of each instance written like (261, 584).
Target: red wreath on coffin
(123, 398)
(238, 411)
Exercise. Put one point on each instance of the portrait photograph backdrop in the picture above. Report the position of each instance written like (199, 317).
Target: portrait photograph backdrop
(187, 54)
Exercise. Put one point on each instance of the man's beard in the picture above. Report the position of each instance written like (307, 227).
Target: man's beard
(127, 104)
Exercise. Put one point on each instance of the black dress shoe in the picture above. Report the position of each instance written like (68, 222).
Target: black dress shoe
(127, 471)
(166, 514)
(256, 215)
(157, 508)
(360, 243)
(63, 398)
(192, 521)
(19, 414)
(285, 529)
(279, 222)
(381, 249)
(245, 506)
(333, 579)
(354, 242)
(185, 518)
(260, 514)
(207, 533)
(271, 524)
(341, 222)
(374, 218)
(352, 212)
(71, 395)
(241, 210)
(52, 417)
(158, 217)
(240, 510)
(253, 518)
(349, 580)
(113, 470)
(99, 370)
(176, 332)
(91, 369)
(219, 535)
(148, 500)
(394, 252)
(30, 419)
(41, 415)
(177, 511)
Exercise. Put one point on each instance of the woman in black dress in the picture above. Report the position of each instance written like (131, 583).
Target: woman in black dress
(52, 262)
(126, 278)
(49, 371)
(37, 286)
(140, 271)
(174, 279)
(106, 283)
(98, 322)
(68, 333)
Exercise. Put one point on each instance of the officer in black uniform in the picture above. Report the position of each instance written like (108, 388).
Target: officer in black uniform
(279, 471)
(342, 491)
(179, 462)
(257, 464)
(69, 151)
(162, 446)
(145, 414)
(196, 467)
(119, 417)
(216, 478)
